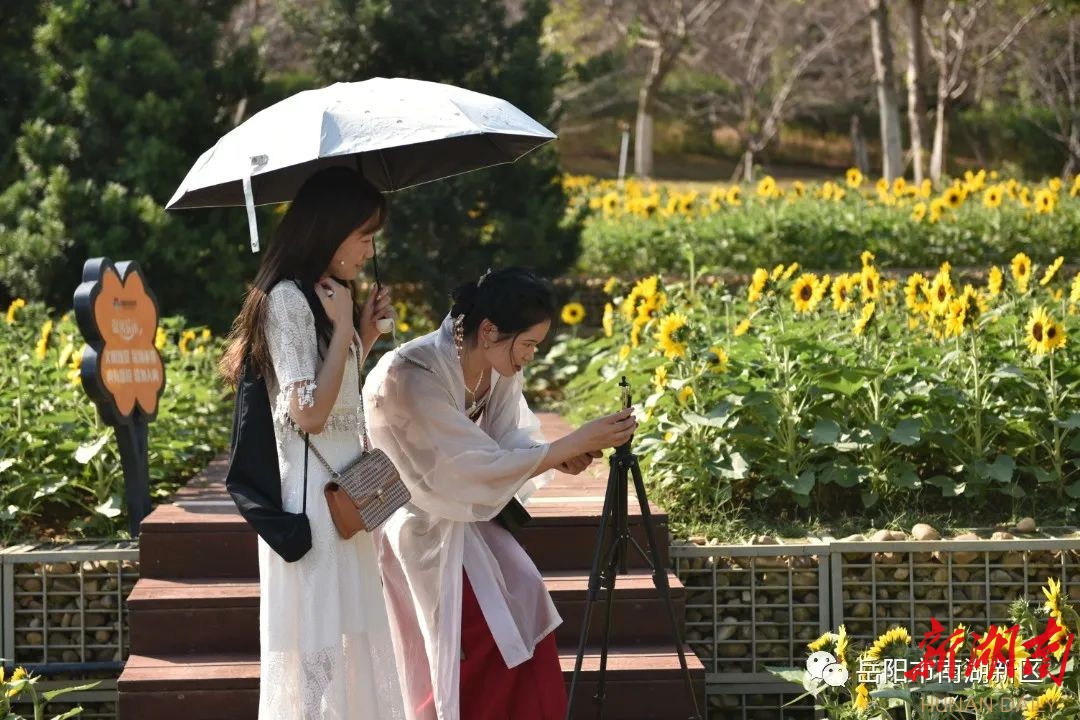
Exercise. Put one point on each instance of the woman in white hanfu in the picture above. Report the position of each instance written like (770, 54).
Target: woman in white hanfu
(326, 648)
(473, 623)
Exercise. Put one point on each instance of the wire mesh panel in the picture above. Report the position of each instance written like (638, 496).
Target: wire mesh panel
(876, 586)
(764, 701)
(64, 603)
(749, 607)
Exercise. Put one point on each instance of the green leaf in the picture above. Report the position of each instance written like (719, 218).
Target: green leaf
(1073, 490)
(53, 694)
(1071, 424)
(905, 477)
(869, 498)
(802, 485)
(948, 486)
(111, 508)
(77, 710)
(86, 453)
(825, 432)
(907, 432)
(1003, 468)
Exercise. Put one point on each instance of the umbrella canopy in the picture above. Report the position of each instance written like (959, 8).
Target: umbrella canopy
(398, 132)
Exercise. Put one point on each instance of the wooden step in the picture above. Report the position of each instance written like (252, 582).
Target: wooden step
(642, 683)
(221, 615)
(209, 539)
(210, 615)
(208, 687)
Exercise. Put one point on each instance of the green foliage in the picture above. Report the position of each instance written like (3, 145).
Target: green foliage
(645, 225)
(18, 83)
(758, 404)
(129, 95)
(59, 464)
(443, 232)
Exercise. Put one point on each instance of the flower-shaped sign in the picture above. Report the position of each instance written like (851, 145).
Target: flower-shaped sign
(118, 316)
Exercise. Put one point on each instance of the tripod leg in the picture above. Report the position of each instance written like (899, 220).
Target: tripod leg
(661, 582)
(593, 591)
(608, 611)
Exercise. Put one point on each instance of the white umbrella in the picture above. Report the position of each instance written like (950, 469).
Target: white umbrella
(398, 132)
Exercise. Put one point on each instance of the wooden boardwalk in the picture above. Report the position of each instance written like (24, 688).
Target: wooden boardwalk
(194, 612)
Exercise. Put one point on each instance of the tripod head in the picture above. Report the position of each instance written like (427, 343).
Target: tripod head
(624, 390)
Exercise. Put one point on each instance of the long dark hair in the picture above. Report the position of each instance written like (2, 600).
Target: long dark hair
(514, 298)
(330, 205)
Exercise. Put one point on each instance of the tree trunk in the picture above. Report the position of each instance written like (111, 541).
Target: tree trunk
(937, 155)
(748, 165)
(643, 136)
(1073, 152)
(643, 130)
(885, 79)
(858, 145)
(916, 99)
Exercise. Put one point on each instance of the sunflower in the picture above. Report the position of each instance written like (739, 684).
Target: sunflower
(1024, 196)
(1045, 201)
(896, 636)
(624, 352)
(13, 308)
(790, 271)
(660, 377)
(993, 196)
(799, 188)
(918, 212)
(914, 291)
(956, 318)
(734, 196)
(866, 258)
(1074, 292)
(994, 281)
(1054, 599)
(954, 197)
(609, 203)
(861, 700)
(610, 285)
(870, 282)
(1036, 331)
(827, 640)
(642, 291)
(821, 289)
(673, 334)
(841, 292)
(865, 318)
(767, 187)
(609, 320)
(882, 186)
(718, 359)
(757, 284)
(185, 341)
(1055, 336)
(777, 272)
(573, 313)
(1021, 271)
(937, 207)
(1052, 699)
(1054, 184)
(685, 393)
(635, 331)
(742, 328)
(842, 645)
(652, 306)
(803, 293)
(854, 178)
(1052, 270)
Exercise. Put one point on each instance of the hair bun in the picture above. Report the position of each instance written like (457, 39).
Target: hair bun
(464, 297)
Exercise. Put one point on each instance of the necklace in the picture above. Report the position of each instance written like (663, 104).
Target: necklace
(472, 409)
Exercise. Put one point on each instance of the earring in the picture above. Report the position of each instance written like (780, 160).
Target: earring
(459, 333)
(341, 262)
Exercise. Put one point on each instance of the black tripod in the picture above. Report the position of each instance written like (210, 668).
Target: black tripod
(612, 542)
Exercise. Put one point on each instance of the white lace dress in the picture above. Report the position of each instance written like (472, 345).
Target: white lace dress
(327, 652)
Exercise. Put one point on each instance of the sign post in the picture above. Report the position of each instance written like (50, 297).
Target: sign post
(121, 369)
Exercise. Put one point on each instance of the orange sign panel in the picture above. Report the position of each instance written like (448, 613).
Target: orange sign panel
(126, 319)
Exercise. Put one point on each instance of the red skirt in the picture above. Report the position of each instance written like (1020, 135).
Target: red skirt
(534, 690)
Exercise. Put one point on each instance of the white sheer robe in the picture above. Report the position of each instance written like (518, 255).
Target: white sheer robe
(460, 474)
(326, 649)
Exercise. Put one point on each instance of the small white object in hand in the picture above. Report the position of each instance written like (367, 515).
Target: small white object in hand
(385, 325)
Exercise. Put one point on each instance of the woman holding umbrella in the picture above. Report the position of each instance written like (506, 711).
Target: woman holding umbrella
(473, 623)
(326, 648)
